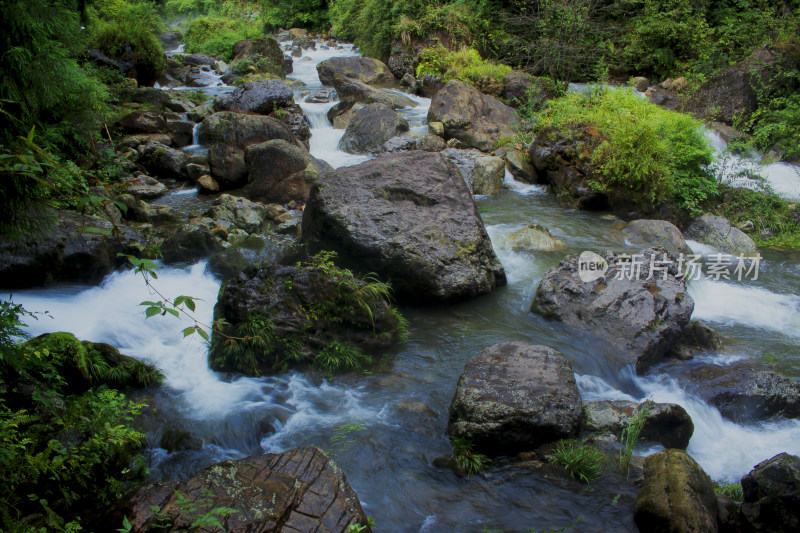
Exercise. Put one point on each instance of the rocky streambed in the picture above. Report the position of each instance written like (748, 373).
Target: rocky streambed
(479, 282)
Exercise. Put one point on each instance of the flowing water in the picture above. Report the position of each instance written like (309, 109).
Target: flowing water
(384, 428)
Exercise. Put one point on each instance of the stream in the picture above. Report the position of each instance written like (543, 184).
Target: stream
(385, 427)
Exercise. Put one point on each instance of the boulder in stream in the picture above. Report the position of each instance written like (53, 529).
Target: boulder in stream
(772, 495)
(639, 303)
(663, 233)
(370, 127)
(513, 397)
(281, 172)
(364, 69)
(410, 217)
(667, 423)
(261, 97)
(301, 489)
(717, 231)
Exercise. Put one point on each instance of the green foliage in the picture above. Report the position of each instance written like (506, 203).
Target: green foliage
(464, 64)
(470, 460)
(295, 13)
(632, 144)
(630, 437)
(581, 461)
(338, 356)
(731, 490)
(216, 36)
(358, 528)
(776, 221)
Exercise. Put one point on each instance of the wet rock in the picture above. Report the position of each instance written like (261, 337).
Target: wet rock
(677, 495)
(340, 117)
(490, 86)
(531, 238)
(179, 105)
(717, 231)
(62, 252)
(232, 261)
(297, 123)
(164, 162)
(519, 165)
(464, 160)
(409, 82)
(190, 244)
(157, 98)
(436, 128)
(137, 142)
(729, 516)
(145, 187)
(487, 175)
(262, 97)
(142, 122)
(772, 495)
(640, 83)
(364, 69)
(197, 60)
(667, 423)
(175, 440)
(431, 143)
(475, 119)
(236, 212)
(321, 96)
(297, 490)
(759, 395)
(207, 185)
(351, 91)
(409, 217)
(701, 335)
(310, 311)
(399, 143)
(196, 171)
(370, 127)
(513, 397)
(266, 47)
(180, 131)
(429, 85)
(657, 233)
(281, 172)
(644, 317)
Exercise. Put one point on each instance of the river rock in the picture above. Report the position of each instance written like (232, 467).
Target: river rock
(207, 185)
(409, 217)
(640, 83)
(144, 187)
(352, 91)
(197, 60)
(475, 119)
(717, 231)
(772, 495)
(142, 122)
(531, 238)
(677, 495)
(279, 171)
(513, 397)
(236, 212)
(759, 395)
(321, 96)
(436, 128)
(656, 233)
(429, 85)
(364, 69)
(399, 143)
(370, 127)
(464, 160)
(431, 143)
(306, 310)
(265, 47)
(164, 162)
(227, 134)
(297, 490)
(341, 120)
(180, 131)
(261, 97)
(296, 121)
(515, 87)
(63, 252)
(519, 165)
(667, 423)
(255, 249)
(487, 175)
(644, 317)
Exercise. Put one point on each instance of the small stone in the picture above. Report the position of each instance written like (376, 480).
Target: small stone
(206, 184)
(436, 128)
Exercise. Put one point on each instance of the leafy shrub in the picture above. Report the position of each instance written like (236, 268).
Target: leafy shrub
(464, 64)
(776, 221)
(216, 36)
(295, 13)
(579, 460)
(471, 461)
(652, 152)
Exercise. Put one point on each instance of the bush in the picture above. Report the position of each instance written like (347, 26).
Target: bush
(579, 460)
(776, 221)
(731, 490)
(651, 152)
(464, 64)
(216, 36)
(294, 13)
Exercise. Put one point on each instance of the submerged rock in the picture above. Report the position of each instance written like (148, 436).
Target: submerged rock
(677, 495)
(513, 397)
(475, 119)
(657, 233)
(772, 495)
(644, 317)
(409, 217)
(531, 238)
(666, 423)
(297, 490)
(364, 69)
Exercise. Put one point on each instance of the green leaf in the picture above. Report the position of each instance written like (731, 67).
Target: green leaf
(91, 229)
(151, 303)
(178, 301)
(190, 303)
(152, 311)
(173, 312)
(203, 333)
(188, 331)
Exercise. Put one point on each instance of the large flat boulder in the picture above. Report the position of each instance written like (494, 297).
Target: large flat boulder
(297, 490)
(364, 69)
(643, 315)
(410, 217)
(513, 397)
(261, 97)
(475, 119)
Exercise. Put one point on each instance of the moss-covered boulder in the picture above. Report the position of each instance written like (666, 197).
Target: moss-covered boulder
(677, 496)
(311, 314)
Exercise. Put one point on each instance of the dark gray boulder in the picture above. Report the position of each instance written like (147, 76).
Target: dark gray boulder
(758, 395)
(281, 172)
(644, 317)
(677, 495)
(662, 233)
(513, 397)
(717, 231)
(298, 490)
(351, 91)
(261, 97)
(164, 162)
(364, 69)
(142, 122)
(772, 495)
(667, 423)
(409, 217)
(475, 119)
(370, 127)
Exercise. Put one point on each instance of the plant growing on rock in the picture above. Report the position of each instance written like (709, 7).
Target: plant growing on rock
(581, 461)
(472, 462)
(630, 437)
